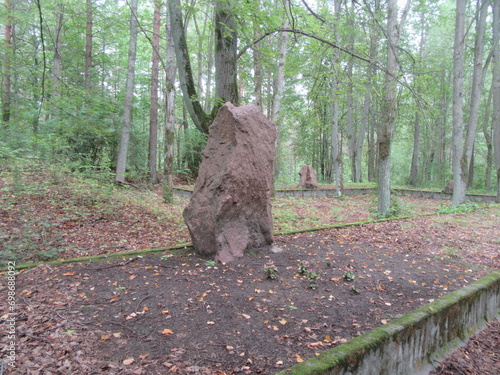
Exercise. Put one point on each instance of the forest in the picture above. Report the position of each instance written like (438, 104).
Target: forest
(403, 93)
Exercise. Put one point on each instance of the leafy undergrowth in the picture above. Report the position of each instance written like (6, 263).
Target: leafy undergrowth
(173, 312)
(49, 214)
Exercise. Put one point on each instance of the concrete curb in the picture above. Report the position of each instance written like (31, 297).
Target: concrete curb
(430, 194)
(409, 344)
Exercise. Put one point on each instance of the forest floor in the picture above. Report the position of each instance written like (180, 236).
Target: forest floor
(173, 312)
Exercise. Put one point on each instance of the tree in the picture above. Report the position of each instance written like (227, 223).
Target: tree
(129, 95)
(279, 81)
(88, 46)
(153, 109)
(225, 62)
(57, 66)
(463, 154)
(170, 72)
(6, 87)
(496, 89)
(389, 109)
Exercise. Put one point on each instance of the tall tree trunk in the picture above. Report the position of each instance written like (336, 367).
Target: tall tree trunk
(488, 138)
(372, 153)
(496, 90)
(477, 88)
(168, 167)
(226, 88)
(279, 83)
(414, 171)
(257, 68)
(463, 159)
(88, 47)
(6, 85)
(121, 162)
(189, 94)
(459, 164)
(336, 152)
(416, 150)
(153, 108)
(57, 52)
(386, 129)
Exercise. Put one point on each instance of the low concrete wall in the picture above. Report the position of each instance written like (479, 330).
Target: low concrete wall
(408, 345)
(430, 194)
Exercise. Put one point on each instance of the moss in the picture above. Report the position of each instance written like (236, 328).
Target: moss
(349, 354)
(103, 256)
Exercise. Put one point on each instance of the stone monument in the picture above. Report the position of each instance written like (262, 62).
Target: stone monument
(230, 209)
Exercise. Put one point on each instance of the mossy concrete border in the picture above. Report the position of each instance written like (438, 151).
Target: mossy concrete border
(409, 344)
(353, 191)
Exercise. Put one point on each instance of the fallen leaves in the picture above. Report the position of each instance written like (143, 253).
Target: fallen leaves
(167, 332)
(128, 361)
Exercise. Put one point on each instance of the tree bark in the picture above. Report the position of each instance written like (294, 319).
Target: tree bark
(488, 139)
(257, 68)
(226, 88)
(121, 162)
(279, 83)
(6, 84)
(416, 150)
(57, 52)
(153, 108)
(168, 166)
(336, 152)
(88, 47)
(459, 164)
(385, 131)
(477, 88)
(200, 118)
(496, 90)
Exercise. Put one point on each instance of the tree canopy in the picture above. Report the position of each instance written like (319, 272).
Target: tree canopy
(64, 75)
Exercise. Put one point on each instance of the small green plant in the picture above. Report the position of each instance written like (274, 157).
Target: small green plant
(270, 270)
(210, 263)
(303, 267)
(313, 278)
(348, 274)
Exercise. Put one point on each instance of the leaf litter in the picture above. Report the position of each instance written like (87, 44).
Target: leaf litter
(180, 315)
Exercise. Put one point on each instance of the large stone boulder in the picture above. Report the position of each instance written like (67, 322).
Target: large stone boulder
(308, 179)
(230, 209)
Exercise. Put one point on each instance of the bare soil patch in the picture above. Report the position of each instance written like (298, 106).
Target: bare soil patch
(173, 312)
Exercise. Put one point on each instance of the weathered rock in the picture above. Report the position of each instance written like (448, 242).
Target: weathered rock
(308, 178)
(449, 187)
(230, 209)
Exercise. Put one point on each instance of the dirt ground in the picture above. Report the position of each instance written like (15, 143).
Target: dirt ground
(173, 312)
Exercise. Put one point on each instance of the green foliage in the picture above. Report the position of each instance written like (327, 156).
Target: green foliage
(459, 209)
(270, 270)
(313, 278)
(398, 208)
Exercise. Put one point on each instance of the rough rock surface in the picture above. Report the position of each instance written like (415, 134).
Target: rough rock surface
(308, 179)
(230, 209)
